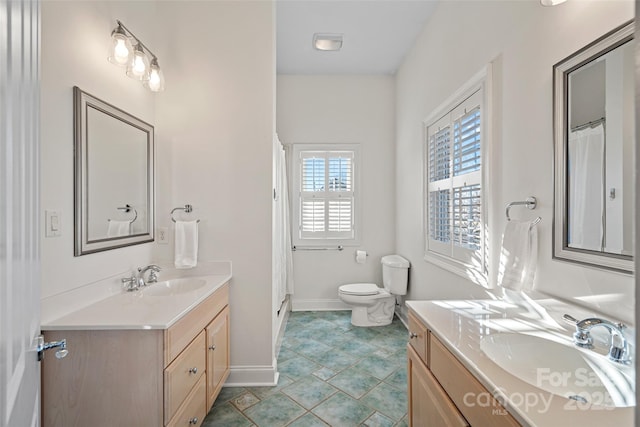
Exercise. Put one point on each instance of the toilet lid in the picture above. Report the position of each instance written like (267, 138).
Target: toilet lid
(360, 289)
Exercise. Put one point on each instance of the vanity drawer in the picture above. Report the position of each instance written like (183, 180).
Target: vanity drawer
(418, 337)
(457, 381)
(193, 411)
(184, 330)
(181, 376)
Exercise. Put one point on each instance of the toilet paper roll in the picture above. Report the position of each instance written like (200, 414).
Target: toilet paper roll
(361, 257)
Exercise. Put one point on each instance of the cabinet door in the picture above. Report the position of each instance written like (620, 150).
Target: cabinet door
(429, 406)
(217, 354)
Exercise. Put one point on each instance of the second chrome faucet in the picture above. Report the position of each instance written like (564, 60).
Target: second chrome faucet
(619, 350)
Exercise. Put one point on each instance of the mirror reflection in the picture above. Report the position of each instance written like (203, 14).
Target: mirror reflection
(114, 176)
(595, 136)
(600, 156)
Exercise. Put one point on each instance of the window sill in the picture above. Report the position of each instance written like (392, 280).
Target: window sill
(473, 273)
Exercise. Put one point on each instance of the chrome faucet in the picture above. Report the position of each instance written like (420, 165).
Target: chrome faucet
(153, 274)
(137, 281)
(619, 351)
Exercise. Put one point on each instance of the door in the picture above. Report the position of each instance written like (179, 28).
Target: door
(19, 212)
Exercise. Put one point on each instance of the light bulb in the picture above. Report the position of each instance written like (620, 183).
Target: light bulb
(156, 78)
(139, 66)
(120, 49)
(121, 52)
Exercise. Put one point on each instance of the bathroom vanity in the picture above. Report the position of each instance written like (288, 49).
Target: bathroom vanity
(509, 363)
(154, 357)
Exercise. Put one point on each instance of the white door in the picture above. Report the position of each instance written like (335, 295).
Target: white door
(19, 212)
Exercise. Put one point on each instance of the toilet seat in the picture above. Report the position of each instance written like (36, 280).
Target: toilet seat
(362, 289)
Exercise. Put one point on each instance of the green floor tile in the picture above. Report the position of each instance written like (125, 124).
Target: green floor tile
(309, 391)
(276, 410)
(342, 411)
(388, 400)
(354, 382)
(225, 415)
(331, 374)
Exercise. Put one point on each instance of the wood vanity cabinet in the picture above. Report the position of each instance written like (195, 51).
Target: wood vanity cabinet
(137, 377)
(441, 391)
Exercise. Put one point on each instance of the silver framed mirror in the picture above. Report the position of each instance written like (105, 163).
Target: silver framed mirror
(594, 136)
(114, 176)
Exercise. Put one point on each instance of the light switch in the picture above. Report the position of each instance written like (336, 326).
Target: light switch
(52, 223)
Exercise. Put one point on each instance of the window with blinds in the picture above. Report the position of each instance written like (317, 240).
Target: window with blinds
(453, 178)
(326, 194)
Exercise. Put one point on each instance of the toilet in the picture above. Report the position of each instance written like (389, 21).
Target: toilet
(372, 305)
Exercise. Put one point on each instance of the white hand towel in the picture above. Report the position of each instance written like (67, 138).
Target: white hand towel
(118, 228)
(518, 255)
(186, 240)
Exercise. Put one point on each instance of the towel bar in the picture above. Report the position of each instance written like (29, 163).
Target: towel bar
(187, 209)
(313, 248)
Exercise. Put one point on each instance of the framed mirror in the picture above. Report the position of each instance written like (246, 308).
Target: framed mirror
(594, 134)
(114, 176)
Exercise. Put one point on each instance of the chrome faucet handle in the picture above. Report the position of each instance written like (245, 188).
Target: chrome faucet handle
(153, 277)
(581, 337)
(569, 318)
(130, 284)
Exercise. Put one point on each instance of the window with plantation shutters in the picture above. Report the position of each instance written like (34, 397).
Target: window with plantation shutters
(454, 215)
(325, 193)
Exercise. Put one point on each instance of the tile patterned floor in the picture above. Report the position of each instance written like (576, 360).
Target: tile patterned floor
(331, 374)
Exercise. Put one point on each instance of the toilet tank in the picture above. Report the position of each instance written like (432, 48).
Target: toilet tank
(395, 274)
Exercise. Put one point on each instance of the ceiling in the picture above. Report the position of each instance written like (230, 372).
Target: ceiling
(377, 34)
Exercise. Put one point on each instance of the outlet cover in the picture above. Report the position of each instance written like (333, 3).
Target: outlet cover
(163, 235)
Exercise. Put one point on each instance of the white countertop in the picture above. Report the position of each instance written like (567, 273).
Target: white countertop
(461, 325)
(137, 309)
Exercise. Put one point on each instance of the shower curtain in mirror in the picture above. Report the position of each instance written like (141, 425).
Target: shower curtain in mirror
(586, 188)
(282, 256)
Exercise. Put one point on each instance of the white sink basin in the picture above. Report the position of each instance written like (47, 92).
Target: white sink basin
(174, 287)
(563, 369)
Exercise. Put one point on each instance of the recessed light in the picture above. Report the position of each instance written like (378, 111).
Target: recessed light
(551, 2)
(327, 41)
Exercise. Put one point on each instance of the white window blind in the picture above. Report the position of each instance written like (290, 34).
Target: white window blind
(326, 194)
(454, 181)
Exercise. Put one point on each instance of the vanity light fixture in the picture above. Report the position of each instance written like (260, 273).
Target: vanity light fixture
(327, 42)
(128, 51)
(551, 2)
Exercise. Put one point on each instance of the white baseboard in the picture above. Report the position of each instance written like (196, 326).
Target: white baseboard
(318, 305)
(252, 376)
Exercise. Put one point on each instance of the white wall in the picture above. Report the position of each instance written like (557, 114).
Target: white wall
(524, 40)
(344, 109)
(75, 39)
(214, 141)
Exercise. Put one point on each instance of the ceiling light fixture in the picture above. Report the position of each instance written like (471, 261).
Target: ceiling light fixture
(128, 51)
(327, 42)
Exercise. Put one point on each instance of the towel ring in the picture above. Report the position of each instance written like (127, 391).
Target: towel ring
(530, 202)
(187, 209)
(128, 208)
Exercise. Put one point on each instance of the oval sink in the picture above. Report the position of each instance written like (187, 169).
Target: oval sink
(563, 369)
(174, 287)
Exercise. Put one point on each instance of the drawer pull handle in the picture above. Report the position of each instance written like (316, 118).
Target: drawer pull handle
(413, 335)
(212, 347)
(193, 370)
(193, 420)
